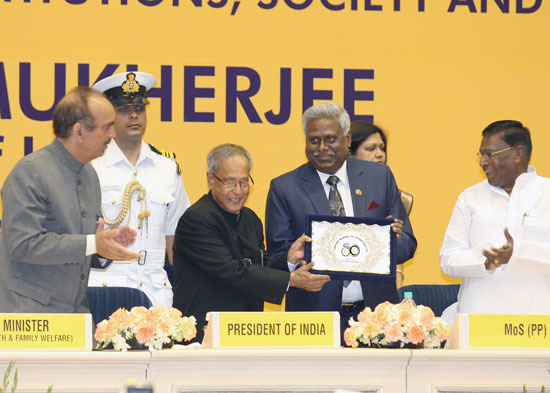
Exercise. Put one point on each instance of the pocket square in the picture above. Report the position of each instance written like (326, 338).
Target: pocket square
(372, 205)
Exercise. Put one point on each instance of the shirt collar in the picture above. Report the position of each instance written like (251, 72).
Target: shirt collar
(113, 155)
(527, 176)
(342, 174)
(523, 178)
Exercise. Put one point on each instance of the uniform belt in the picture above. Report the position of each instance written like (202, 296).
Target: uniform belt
(355, 306)
(151, 257)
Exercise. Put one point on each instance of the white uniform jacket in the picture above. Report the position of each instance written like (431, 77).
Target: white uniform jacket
(166, 200)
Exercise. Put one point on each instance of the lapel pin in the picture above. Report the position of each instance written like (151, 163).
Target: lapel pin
(358, 192)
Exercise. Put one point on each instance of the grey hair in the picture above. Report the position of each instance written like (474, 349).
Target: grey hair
(327, 110)
(221, 152)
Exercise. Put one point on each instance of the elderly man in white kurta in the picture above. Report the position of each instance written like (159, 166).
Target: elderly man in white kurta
(498, 239)
(140, 187)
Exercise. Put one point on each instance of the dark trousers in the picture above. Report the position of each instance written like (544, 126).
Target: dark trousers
(346, 312)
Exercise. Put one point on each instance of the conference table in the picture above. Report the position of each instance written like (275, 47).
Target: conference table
(181, 369)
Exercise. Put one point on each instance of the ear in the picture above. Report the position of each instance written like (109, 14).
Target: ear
(520, 153)
(77, 130)
(210, 179)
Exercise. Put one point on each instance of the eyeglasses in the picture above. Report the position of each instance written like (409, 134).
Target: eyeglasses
(492, 154)
(230, 184)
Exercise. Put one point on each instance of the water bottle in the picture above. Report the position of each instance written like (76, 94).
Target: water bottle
(408, 298)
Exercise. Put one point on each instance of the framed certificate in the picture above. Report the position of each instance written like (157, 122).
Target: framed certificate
(351, 248)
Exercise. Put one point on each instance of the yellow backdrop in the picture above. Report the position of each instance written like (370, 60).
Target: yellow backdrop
(439, 72)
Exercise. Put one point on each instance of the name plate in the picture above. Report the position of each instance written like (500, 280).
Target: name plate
(272, 329)
(46, 331)
(500, 331)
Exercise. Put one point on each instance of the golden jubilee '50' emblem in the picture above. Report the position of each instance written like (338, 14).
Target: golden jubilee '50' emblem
(348, 250)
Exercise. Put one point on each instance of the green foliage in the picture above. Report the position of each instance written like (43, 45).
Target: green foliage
(541, 389)
(6, 382)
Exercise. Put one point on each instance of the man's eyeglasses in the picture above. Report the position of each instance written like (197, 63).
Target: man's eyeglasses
(492, 154)
(230, 184)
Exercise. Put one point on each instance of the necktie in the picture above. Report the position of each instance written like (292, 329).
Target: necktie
(336, 204)
(334, 197)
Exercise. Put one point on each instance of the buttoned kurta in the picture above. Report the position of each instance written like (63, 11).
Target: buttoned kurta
(50, 203)
(479, 217)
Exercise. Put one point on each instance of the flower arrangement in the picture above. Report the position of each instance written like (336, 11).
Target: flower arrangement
(153, 327)
(397, 325)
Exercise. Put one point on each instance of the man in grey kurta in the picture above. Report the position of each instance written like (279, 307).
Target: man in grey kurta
(52, 230)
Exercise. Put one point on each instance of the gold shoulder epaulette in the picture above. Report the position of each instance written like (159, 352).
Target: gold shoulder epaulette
(166, 153)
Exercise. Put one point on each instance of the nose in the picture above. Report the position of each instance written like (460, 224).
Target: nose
(483, 160)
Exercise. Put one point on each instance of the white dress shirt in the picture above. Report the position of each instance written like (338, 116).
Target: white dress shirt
(166, 201)
(479, 217)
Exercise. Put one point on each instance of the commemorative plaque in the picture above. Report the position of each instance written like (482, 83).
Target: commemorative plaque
(351, 248)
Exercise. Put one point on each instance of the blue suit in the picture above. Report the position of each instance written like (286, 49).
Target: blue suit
(298, 193)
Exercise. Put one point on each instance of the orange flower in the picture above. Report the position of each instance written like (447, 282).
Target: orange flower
(393, 333)
(442, 329)
(100, 331)
(405, 316)
(364, 315)
(349, 338)
(371, 329)
(145, 334)
(416, 334)
(382, 312)
(426, 317)
(149, 326)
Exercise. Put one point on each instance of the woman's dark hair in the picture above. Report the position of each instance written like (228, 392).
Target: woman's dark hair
(361, 130)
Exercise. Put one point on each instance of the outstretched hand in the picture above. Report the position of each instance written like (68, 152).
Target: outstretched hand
(303, 279)
(112, 243)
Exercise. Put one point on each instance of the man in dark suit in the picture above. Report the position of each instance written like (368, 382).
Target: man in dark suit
(219, 260)
(364, 189)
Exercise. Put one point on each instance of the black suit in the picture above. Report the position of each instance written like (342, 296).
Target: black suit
(218, 263)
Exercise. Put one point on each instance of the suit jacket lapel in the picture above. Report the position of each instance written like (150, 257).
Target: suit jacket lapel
(357, 188)
(314, 190)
